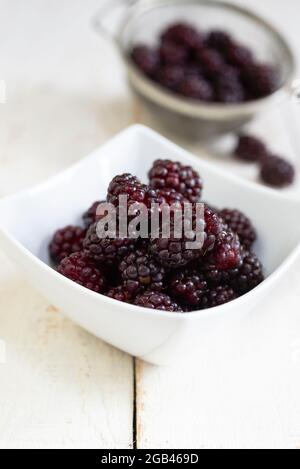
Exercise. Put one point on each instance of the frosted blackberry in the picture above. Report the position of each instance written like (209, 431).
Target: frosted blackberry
(66, 241)
(158, 301)
(241, 225)
(139, 271)
(81, 269)
(166, 174)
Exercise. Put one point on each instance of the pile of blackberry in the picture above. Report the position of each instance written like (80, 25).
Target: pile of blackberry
(162, 273)
(210, 67)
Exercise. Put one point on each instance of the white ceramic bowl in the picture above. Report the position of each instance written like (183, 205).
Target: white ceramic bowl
(28, 219)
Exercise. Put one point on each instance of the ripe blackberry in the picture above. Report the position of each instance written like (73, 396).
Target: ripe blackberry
(140, 271)
(211, 62)
(241, 225)
(261, 80)
(194, 87)
(239, 56)
(188, 286)
(183, 179)
(183, 34)
(120, 294)
(227, 252)
(173, 54)
(90, 216)
(217, 297)
(170, 196)
(217, 278)
(66, 241)
(250, 149)
(107, 251)
(277, 172)
(170, 76)
(249, 276)
(81, 269)
(219, 40)
(146, 58)
(229, 88)
(158, 301)
(127, 185)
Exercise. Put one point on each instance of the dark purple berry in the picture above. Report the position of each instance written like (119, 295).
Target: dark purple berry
(187, 286)
(140, 271)
(171, 77)
(146, 58)
(277, 172)
(250, 149)
(158, 301)
(241, 225)
(211, 62)
(219, 40)
(216, 297)
(173, 54)
(249, 276)
(261, 80)
(183, 34)
(120, 294)
(239, 56)
(194, 87)
(227, 252)
(107, 251)
(166, 174)
(90, 216)
(65, 242)
(81, 269)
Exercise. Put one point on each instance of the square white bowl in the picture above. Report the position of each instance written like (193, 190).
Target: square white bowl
(28, 219)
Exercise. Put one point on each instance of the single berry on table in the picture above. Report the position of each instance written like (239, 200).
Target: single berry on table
(158, 301)
(277, 172)
(250, 149)
(81, 269)
(66, 241)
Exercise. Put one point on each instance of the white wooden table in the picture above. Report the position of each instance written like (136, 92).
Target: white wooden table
(61, 387)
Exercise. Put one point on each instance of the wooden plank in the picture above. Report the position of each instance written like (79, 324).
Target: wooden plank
(60, 386)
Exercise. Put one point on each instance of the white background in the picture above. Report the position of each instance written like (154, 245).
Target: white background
(61, 387)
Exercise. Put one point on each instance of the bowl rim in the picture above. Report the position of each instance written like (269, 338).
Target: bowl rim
(195, 108)
(187, 156)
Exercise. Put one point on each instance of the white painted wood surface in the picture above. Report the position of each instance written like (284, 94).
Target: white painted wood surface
(59, 386)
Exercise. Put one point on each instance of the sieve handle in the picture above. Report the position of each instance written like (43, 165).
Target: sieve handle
(108, 19)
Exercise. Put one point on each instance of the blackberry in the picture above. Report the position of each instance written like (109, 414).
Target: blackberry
(261, 80)
(120, 294)
(211, 62)
(250, 149)
(81, 269)
(173, 54)
(219, 40)
(126, 185)
(146, 58)
(229, 88)
(183, 179)
(90, 216)
(239, 56)
(183, 34)
(194, 87)
(216, 297)
(66, 241)
(188, 287)
(170, 77)
(241, 225)
(140, 271)
(227, 252)
(170, 196)
(249, 276)
(158, 301)
(277, 172)
(107, 251)
(217, 278)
